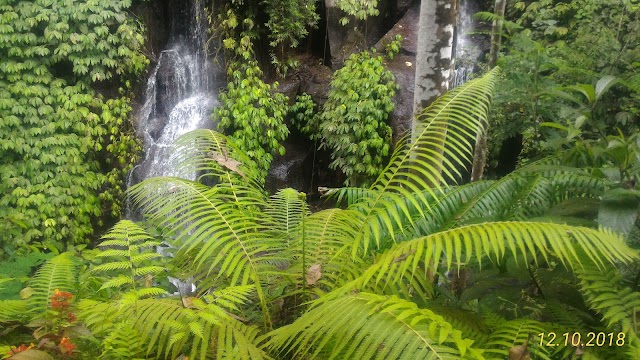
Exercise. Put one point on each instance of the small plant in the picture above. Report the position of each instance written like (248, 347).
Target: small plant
(52, 332)
(393, 47)
(285, 24)
(304, 116)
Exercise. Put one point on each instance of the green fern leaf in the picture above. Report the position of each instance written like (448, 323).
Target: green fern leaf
(284, 212)
(449, 122)
(214, 234)
(57, 273)
(604, 293)
(129, 253)
(472, 243)
(511, 333)
(369, 326)
(11, 310)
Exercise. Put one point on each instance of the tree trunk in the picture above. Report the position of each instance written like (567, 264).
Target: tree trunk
(481, 151)
(434, 58)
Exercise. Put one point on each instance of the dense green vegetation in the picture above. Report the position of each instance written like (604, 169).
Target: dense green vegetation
(251, 111)
(404, 262)
(57, 132)
(552, 46)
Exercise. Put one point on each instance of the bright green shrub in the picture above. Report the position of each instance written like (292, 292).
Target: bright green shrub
(57, 134)
(353, 124)
(251, 111)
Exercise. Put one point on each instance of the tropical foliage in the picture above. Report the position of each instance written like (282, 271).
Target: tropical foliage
(252, 112)
(353, 123)
(286, 24)
(554, 48)
(357, 9)
(57, 132)
(409, 267)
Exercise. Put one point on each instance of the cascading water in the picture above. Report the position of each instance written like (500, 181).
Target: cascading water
(466, 50)
(180, 92)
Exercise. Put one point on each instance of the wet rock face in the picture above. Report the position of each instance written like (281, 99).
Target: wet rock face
(403, 68)
(315, 80)
(289, 86)
(357, 35)
(292, 170)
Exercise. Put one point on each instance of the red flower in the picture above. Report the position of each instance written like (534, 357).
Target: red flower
(71, 317)
(60, 299)
(19, 349)
(66, 347)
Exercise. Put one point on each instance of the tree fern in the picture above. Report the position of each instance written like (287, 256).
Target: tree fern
(214, 235)
(369, 326)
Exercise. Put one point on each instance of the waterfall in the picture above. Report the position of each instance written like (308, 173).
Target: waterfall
(467, 51)
(180, 92)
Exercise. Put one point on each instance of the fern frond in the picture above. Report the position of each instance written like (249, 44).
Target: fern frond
(633, 347)
(117, 282)
(603, 292)
(511, 333)
(471, 324)
(522, 240)
(284, 211)
(441, 138)
(124, 342)
(59, 273)
(116, 265)
(214, 235)
(351, 195)
(323, 246)
(520, 195)
(211, 154)
(168, 328)
(11, 310)
(128, 252)
(230, 297)
(369, 326)
(100, 317)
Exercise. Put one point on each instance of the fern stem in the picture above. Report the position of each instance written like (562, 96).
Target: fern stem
(304, 250)
(534, 277)
(636, 281)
